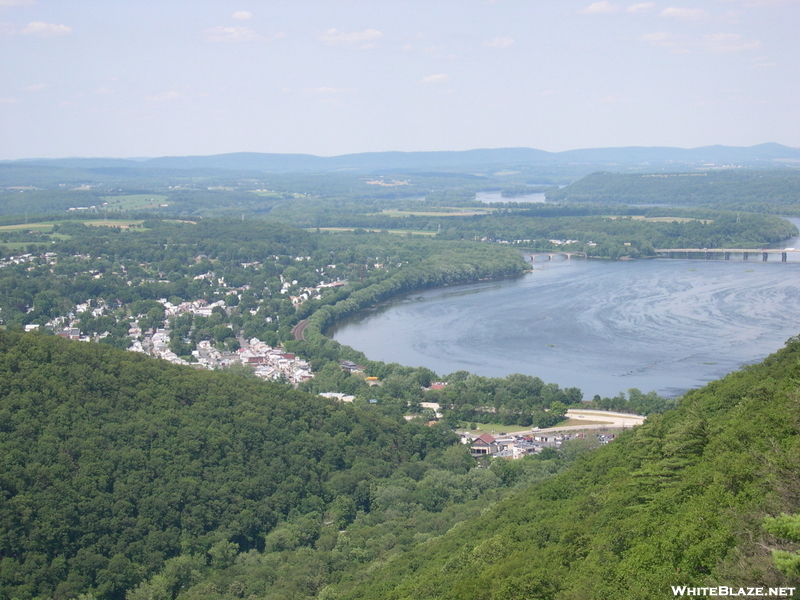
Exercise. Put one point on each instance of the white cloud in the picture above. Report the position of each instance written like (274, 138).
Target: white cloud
(611, 99)
(36, 87)
(8, 101)
(438, 78)
(762, 3)
(231, 34)
(662, 39)
(104, 91)
(641, 7)
(732, 17)
(718, 43)
(242, 15)
(684, 14)
(604, 6)
(500, 42)
(165, 97)
(658, 38)
(728, 42)
(326, 90)
(15, 2)
(43, 29)
(360, 39)
(762, 62)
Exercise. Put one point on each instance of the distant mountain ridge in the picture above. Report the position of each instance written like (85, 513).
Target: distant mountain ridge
(769, 154)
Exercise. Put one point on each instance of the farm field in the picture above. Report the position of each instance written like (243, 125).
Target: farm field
(135, 201)
(121, 223)
(47, 226)
(662, 219)
(455, 212)
(270, 194)
(43, 226)
(395, 231)
(496, 429)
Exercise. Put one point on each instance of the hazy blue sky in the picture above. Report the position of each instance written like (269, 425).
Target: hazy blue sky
(327, 77)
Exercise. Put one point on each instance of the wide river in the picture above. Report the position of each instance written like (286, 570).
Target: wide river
(603, 326)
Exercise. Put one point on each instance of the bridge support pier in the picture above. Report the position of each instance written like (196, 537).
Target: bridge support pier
(720, 253)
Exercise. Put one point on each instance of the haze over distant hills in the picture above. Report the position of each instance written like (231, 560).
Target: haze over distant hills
(763, 155)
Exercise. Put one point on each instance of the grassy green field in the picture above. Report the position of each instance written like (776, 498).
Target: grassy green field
(135, 201)
(44, 226)
(576, 422)
(121, 223)
(47, 226)
(15, 245)
(269, 194)
(396, 231)
(663, 219)
(495, 428)
(498, 428)
(455, 212)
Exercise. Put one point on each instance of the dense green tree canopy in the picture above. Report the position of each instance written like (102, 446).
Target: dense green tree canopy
(113, 463)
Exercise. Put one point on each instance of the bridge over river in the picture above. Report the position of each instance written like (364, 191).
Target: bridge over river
(725, 252)
(551, 255)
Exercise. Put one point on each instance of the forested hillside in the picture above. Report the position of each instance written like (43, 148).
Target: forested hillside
(680, 500)
(764, 190)
(128, 477)
(113, 463)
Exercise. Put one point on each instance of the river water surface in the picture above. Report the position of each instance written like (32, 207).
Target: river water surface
(602, 326)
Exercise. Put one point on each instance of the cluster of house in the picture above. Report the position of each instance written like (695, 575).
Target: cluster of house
(515, 446)
(337, 396)
(389, 183)
(310, 293)
(69, 333)
(50, 257)
(67, 326)
(267, 362)
(159, 342)
(198, 307)
(201, 308)
(93, 207)
(529, 242)
(351, 367)
(273, 363)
